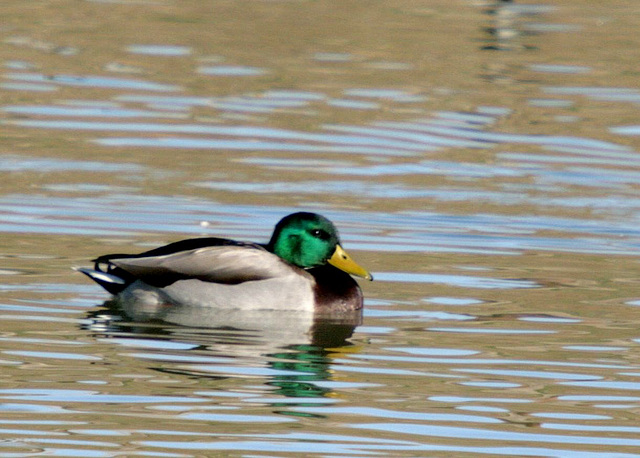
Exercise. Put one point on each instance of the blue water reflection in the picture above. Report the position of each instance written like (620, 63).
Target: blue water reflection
(92, 81)
(429, 232)
(495, 435)
(159, 50)
(231, 70)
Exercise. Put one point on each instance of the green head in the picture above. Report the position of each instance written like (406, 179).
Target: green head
(304, 239)
(310, 240)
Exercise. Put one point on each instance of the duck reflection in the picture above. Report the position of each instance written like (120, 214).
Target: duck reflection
(290, 351)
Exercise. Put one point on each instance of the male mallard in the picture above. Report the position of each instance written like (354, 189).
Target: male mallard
(303, 267)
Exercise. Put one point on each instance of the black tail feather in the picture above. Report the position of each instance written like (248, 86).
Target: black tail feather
(110, 282)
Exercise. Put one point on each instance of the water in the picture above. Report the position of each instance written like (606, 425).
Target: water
(481, 160)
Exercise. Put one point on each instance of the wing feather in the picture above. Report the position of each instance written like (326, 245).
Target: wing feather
(229, 264)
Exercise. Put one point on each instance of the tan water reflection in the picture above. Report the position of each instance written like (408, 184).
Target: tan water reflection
(482, 158)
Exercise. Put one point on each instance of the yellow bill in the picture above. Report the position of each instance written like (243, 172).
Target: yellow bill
(343, 261)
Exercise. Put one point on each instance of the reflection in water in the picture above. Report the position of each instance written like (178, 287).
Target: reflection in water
(308, 365)
(159, 50)
(105, 82)
(291, 351)
(228, 70)
(405, 231)
(508, 25)
(502, 33)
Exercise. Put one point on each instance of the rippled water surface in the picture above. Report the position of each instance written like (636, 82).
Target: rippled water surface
(481, 159)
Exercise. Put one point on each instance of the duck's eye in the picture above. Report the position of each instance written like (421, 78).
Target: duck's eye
(320, 234)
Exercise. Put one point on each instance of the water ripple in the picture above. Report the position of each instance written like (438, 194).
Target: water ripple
(494, 435)
(92, 81)
(81, 396)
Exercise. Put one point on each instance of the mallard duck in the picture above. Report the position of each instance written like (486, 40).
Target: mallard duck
(303, 267)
